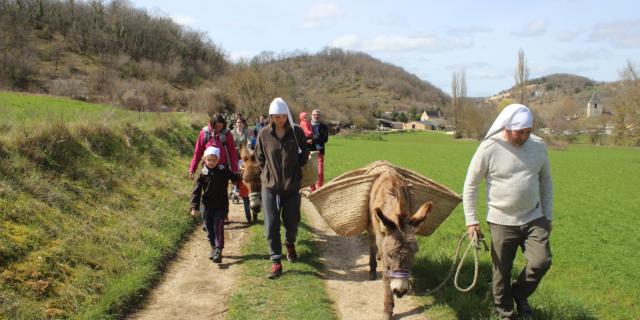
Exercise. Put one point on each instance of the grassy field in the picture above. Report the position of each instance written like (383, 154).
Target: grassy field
(89, 214)
(594, 272)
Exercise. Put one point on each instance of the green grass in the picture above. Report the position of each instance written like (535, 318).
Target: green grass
(91, 208)
(26, 111)
(595, 253)
(89, 215)
(260, 298)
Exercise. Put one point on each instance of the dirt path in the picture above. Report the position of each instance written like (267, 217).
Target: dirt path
(193, 287)
(346, 261)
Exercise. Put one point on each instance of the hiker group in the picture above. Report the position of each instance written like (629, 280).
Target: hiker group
(513, 162)
(281, 149)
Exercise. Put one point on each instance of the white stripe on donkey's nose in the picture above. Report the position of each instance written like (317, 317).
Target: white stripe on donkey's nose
(399, 287)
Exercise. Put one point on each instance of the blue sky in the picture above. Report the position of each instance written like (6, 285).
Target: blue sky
(431, 39)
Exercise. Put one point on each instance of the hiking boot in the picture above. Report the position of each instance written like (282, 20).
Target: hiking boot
(524, 309)
(504, 315)
(276, 270)
(292, 255)
(217, 255)
(211, 254)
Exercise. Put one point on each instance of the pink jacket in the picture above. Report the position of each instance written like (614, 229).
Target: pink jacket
(305, 125)
(214, 140)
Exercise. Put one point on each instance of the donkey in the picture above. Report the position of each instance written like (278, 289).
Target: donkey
(392, 239)
(251, 176)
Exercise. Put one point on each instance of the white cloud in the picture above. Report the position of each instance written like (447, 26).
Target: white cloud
(621, 34)
(467, 66)
(184, 20)
(402, 43)
(468, 31)
(568, 35)
(321, 12)
(581, 55)
(488, 74)
(346, 41)
(532, 29)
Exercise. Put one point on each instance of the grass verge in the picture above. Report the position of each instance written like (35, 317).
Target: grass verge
(298, 294)
(90, 208)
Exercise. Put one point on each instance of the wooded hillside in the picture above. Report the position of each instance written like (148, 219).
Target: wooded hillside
(109, 51)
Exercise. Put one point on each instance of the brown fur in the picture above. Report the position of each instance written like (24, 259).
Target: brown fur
(391, 232)
(250, 170)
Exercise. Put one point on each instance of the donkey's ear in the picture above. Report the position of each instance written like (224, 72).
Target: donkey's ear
(421, 215)
(388, 224)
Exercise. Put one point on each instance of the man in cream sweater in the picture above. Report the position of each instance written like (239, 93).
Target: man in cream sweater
(515, 165)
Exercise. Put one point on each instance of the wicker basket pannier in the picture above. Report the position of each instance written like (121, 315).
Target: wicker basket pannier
(344, 202)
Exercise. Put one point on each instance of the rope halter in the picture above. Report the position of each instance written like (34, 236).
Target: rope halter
(399, 274)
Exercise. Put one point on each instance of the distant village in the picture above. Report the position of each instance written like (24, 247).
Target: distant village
(436, 121)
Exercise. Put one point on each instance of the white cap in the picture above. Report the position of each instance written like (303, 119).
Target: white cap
(513, 117)
(522, 119)
(279, 106)
(212, 151)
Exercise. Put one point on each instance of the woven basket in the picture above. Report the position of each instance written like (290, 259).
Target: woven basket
(344, 201)
(343, 204)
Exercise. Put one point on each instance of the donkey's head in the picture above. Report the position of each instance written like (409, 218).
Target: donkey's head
(398, 245)
(250, 170)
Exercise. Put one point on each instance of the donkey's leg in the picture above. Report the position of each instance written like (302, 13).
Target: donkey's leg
(388, 298)
(373, 252)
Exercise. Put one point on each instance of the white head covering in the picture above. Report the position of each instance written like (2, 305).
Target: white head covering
(279, 106)
(513, 117)
(212, 151)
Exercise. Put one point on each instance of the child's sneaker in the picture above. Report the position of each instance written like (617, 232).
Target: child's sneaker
(217, 255)
(292, 255)
(276, 270)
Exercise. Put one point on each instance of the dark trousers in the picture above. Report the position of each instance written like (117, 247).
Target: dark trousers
(533, 239)
(247, 208)
(280, 209)
(214, 221)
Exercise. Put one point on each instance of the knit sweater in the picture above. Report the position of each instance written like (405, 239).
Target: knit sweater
(518, 181)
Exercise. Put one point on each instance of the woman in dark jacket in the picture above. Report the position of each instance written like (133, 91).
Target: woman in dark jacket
(281, 151)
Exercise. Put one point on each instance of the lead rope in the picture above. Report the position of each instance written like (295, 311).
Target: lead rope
(475, 242)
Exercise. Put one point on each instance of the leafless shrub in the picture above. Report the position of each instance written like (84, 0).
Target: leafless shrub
(75, 88)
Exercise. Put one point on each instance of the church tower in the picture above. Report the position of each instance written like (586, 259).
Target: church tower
(593, 106)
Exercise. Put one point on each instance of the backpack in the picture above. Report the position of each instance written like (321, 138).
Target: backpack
(207, 135)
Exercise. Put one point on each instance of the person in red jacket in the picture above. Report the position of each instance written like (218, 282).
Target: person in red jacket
(216, 134)
(305, 125)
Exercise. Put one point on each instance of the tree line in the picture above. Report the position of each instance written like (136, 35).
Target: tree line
(100, 30)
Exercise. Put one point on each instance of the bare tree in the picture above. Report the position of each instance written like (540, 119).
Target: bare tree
(627, 107)
(522, 77)
(254, 91)
(458, 95)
